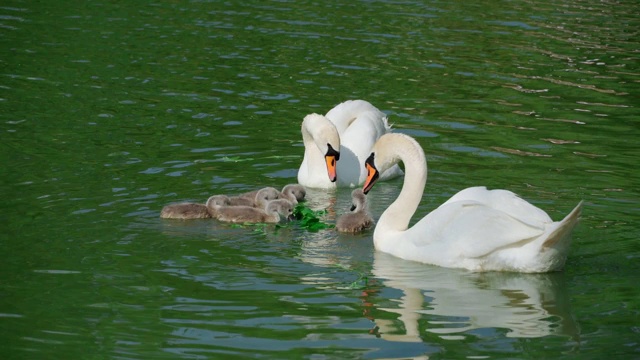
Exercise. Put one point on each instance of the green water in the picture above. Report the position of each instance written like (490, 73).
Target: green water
(110, 110)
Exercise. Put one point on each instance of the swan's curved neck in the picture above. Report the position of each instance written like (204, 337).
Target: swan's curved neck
(311, 132)
(399, 213)
(307, 135)
(319, 136)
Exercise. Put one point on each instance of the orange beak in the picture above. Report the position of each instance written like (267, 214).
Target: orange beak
(331, 167)
(372, 177)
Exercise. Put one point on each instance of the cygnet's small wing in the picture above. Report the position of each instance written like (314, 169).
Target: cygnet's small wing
(185, 211)
(241, 214)
(354, 222)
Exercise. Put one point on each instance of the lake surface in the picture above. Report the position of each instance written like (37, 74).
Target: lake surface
(111, 110)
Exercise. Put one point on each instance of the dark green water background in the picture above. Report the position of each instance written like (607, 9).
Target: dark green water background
(111, 109)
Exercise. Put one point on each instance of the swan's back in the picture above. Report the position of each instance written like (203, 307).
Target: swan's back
(343, 114)
(546, 253)
(477, 237)
(359, 124)
(505, 201)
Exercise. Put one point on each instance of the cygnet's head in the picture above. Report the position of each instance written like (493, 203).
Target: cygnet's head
(281, 206)
(294, 193)
(266, 194)
(358, 200)
(217, 200)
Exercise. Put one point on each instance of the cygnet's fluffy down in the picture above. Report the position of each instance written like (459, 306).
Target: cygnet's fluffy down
(257, 198)
(292, 192)
(273, 212)
(358, 219)
(185, 211)
(215, 202)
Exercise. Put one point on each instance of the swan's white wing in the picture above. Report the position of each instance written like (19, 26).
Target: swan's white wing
(362, 134)
(505, 201)
(360, 137)
(470, 229)
(343, 114)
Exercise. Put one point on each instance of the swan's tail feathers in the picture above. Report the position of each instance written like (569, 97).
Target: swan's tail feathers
(387, 125)
(562, 234)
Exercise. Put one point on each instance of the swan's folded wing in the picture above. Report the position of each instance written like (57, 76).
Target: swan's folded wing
(505, 201)
(362, 134)
(471, 229)
(360, 137)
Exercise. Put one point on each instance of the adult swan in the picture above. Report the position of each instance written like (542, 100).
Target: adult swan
(347, 133)
(477, 229)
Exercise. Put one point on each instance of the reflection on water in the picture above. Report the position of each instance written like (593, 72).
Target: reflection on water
(455, 302)
(319, 199)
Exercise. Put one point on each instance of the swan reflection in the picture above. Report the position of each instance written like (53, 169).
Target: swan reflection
(455, 301)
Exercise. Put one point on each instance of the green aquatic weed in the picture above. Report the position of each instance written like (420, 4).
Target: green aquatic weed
(310, 219)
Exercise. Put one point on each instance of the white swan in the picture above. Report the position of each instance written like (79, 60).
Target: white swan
(477, 229)
(346, 133)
